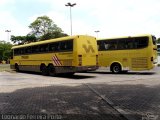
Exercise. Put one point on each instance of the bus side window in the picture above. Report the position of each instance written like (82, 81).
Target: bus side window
(44, 48)
(35, 49)
(28, 50)
(154, 40)
(141, 42)
(62, 46)
(101, 45)
(53, 47)
(112, 44)
(69, 45)
(21, 51)
(122, 45)
(66, 45)
(17, 51)
(127, 43)
(106, 46)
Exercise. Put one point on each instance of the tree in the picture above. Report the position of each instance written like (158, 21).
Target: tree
(158, 40)
(44, 28)
(53, 35)
(5, 50)
(17, 39)
(23, 39)
(30, 38)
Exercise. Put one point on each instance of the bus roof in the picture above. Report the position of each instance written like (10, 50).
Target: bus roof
(126, 36)
(46, 41)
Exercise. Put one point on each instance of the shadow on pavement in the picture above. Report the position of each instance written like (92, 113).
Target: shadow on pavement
(80, 102)
(75, 76)
(71, 102)
(124, 73)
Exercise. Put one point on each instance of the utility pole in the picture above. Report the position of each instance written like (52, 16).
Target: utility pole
(97, 31)
(70, 5)
(8, 36)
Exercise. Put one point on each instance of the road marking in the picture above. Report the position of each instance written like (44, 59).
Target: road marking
(115, 107)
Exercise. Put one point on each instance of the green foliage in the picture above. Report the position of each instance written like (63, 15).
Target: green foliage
(23, 39)
(44, 28)
(17, 39)
(158, 40)
(30, 38)
(52, 35)
(5, 50)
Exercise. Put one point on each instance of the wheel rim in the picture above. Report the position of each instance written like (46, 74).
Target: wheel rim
(116, 69)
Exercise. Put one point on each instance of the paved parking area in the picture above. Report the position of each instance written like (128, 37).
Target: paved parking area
(96, 95)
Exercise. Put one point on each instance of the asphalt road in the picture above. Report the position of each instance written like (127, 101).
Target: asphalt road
(96, 95)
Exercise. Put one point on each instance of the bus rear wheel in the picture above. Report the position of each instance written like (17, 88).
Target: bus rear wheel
(51, 70)
(116, 68)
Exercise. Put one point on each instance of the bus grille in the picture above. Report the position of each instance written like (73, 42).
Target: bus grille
(139, 62)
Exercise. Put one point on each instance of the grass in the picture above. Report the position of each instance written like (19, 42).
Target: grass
(4, 67)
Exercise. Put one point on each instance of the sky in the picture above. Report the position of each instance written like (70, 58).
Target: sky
(112, 18)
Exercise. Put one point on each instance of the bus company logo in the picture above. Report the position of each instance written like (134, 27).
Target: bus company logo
(56, 60)
(88, 48)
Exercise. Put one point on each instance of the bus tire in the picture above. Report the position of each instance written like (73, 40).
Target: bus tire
(17, 67)
(51, 70)
(116, 68)
(44, 70)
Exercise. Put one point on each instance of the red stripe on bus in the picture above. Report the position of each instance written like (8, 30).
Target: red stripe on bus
(54, 61)
(58, 60)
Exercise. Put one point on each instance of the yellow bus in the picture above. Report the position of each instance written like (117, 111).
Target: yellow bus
(62, 55)
(136, 53)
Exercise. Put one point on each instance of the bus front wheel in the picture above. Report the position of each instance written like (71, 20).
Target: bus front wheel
(17, 67)
(116, 68)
